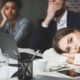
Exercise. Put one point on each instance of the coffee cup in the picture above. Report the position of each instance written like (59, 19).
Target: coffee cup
(39, 64)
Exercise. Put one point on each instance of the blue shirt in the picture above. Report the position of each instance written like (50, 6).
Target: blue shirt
(23, 29)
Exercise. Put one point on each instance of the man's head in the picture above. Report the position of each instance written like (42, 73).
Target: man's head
(64, 4)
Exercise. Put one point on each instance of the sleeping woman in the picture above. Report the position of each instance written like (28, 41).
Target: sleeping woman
(66, 43)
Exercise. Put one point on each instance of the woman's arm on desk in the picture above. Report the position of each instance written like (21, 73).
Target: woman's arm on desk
(51, 54)
(69, 55)
(73, 58)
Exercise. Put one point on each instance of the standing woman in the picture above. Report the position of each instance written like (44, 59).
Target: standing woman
(15, 24)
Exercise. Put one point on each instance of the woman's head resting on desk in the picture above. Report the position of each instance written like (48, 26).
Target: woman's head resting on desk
(67, 40)
(11, 8)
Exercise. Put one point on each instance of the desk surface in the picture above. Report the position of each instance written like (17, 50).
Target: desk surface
(49, 65)
(27, 50)
(14, 78)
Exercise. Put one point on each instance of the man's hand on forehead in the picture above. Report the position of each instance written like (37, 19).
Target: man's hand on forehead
(55, 3)
(51, 0)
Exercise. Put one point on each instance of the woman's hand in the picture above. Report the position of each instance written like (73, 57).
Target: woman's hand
(71, 55)
(5, 19)
(3, 14)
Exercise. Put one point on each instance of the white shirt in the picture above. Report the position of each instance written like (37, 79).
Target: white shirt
(51, 54)
(62, 23)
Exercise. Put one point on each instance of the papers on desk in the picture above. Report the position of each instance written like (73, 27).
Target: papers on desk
(4, 71)
(12, 70)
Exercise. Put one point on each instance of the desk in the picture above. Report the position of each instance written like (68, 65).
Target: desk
(28, 50)
(14, 78)
(12, 61)
(50, 63)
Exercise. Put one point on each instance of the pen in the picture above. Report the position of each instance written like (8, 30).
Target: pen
(29, 62)
(32, 58)
(19, 57)
(17, 54)
(34, 55)
(28, 58)
(21, 62)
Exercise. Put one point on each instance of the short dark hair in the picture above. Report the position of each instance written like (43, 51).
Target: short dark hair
(60, 34)
(18, 3)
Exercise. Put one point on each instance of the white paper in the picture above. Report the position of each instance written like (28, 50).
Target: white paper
(3, 72)
(7, 71)
(12, 70)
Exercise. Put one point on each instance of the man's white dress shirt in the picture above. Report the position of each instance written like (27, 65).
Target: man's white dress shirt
(62, 23)
(50, 53)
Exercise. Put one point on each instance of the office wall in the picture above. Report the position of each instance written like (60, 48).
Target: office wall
(74, 5)
(33, 10)
(36, 9)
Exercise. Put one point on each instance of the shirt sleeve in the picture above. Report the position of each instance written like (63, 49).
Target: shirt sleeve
(43, 25)
(51, 54)
(63, 59)
(24, 30)
(77, 59)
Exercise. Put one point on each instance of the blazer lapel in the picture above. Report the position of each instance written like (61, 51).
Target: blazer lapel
(54, 27)
(69, 19)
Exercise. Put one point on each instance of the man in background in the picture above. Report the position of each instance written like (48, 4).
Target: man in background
(58, 16)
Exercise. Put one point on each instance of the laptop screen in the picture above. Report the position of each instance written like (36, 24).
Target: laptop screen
(8, 45)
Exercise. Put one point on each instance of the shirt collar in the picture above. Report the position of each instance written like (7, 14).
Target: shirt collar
(64, 17)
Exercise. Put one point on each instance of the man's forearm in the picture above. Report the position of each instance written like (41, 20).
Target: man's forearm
(46, 22)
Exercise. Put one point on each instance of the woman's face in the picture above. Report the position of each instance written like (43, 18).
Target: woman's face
(11, 11)
(70, 43)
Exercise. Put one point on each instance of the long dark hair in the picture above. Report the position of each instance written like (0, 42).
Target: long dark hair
(60, 34)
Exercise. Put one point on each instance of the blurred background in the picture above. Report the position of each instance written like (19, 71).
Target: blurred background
(36, 9)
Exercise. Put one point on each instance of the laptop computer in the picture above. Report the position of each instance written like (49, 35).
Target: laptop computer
(8, 45)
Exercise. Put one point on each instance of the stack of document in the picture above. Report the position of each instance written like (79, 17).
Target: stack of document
(4, 72)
